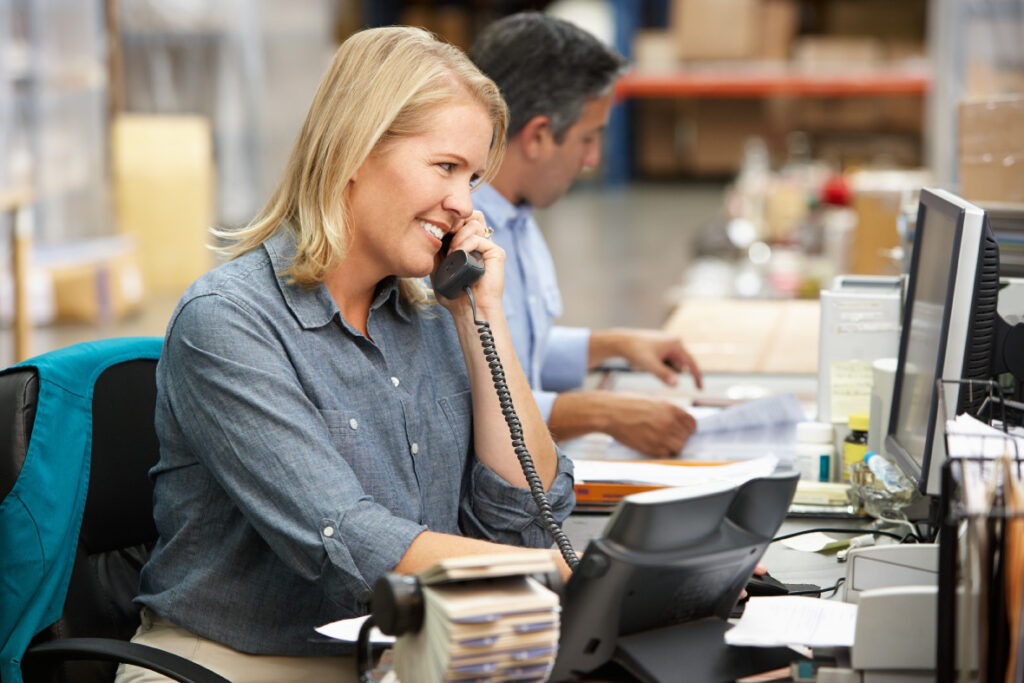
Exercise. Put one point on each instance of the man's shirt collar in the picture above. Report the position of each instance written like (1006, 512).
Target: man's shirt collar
(498, 209)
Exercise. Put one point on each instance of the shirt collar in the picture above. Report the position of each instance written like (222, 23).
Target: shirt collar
(498, 209)
(314, 306)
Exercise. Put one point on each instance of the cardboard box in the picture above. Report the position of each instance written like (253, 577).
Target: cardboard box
(868, 149)
(878, 199)
(715, 29)
(903, 20)
(163, 190)
(987, 81)
(660, 138)
(838, 114)
(778, 25)
(654, 50)
(835, 53)
(94, 281)
(721, 129)
(902, 113)
(991, 150)
(698, 137)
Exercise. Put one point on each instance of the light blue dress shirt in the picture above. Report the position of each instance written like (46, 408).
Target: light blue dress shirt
(553, 357)
(299, 458)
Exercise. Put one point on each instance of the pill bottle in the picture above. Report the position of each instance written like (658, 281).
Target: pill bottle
(855, 445)
(815, 450)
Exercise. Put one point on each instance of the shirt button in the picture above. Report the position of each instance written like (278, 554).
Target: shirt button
(353, 423)
(415, 448)
(394, 380)
(328, 531)
(533, 299)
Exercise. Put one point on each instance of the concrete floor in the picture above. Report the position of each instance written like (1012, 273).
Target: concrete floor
(619, 252)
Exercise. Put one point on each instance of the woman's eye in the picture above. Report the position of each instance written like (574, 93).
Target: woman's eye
(447, 166)
(474, 181)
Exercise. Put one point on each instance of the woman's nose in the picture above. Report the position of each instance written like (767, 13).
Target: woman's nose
(459, 203)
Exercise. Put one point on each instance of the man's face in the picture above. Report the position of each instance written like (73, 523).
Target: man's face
(580, 149)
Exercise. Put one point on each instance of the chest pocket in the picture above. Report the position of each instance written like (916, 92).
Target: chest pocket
(353, 439)
(458, 411)
(553, 300)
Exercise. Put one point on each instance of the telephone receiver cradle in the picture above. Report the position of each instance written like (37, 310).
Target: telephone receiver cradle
(457, 271)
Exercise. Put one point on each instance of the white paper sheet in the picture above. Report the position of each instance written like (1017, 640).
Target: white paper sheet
(348, 631)
(794, 620)
(815, 542)
(672, 475)
(765, 412)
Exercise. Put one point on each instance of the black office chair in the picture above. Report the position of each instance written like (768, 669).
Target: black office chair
(117, 532)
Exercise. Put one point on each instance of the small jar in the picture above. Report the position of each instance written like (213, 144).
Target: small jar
(855, 445)
(815, 450)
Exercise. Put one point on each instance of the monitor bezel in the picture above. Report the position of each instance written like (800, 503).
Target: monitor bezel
(958, 310)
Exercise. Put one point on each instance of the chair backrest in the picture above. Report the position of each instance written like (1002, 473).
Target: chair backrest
(116, 531)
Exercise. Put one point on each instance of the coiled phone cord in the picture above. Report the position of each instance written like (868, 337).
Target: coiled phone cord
(515, 429)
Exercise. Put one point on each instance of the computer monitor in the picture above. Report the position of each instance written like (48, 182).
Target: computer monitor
(654, 591)
(950, 331)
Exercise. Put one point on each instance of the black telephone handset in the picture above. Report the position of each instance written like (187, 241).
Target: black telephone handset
(457, 271)
(453, 277)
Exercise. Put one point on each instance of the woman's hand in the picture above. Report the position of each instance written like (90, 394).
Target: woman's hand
(474, 235)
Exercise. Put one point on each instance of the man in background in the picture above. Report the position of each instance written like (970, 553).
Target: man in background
(557, 80)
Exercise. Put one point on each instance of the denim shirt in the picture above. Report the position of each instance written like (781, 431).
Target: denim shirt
(553, 357)
(299, 458)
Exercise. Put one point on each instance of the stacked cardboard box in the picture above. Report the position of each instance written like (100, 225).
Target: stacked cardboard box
(701, 137)
(991, 150)
(733, 29)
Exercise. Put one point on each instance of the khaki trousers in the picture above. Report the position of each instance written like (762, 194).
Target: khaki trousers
(235, 666)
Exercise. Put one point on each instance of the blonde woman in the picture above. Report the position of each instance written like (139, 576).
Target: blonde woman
(321, 421)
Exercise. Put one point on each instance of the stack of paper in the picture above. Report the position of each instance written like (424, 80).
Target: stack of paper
(481, 629)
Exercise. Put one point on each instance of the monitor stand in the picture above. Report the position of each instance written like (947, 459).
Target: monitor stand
(695, 651)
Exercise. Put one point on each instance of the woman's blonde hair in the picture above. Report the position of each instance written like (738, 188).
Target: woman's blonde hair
(381, 85)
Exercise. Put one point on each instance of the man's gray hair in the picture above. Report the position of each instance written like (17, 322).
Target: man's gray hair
(545, 67)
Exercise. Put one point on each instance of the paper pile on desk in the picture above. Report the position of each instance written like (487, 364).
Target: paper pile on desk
(794, 620)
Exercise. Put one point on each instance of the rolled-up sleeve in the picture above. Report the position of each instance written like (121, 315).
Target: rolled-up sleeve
(564, 364)
(498, 511)
(243, 413)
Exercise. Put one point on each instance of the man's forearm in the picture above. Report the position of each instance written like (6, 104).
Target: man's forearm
(580, 412)
(604, 344)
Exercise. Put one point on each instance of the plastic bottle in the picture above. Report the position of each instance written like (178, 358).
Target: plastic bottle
(886, 473)
(815, 450)
(855, 445)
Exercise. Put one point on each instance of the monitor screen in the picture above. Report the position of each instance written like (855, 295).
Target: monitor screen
(947, 330)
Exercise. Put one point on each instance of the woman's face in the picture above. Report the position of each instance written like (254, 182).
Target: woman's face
(407, 194)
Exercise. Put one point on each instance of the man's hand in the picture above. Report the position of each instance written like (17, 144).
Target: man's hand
(653, 426)
(653, 351)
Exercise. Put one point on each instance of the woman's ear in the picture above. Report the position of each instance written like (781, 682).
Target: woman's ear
(536, 137)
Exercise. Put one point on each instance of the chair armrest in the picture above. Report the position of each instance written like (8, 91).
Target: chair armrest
(160, 661)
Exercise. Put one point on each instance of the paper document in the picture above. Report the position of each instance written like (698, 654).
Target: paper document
(765, 412)
(816, 542)
(967, 436)
(740, 432)
(348, 631)
(794, 620)
(672, 475)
